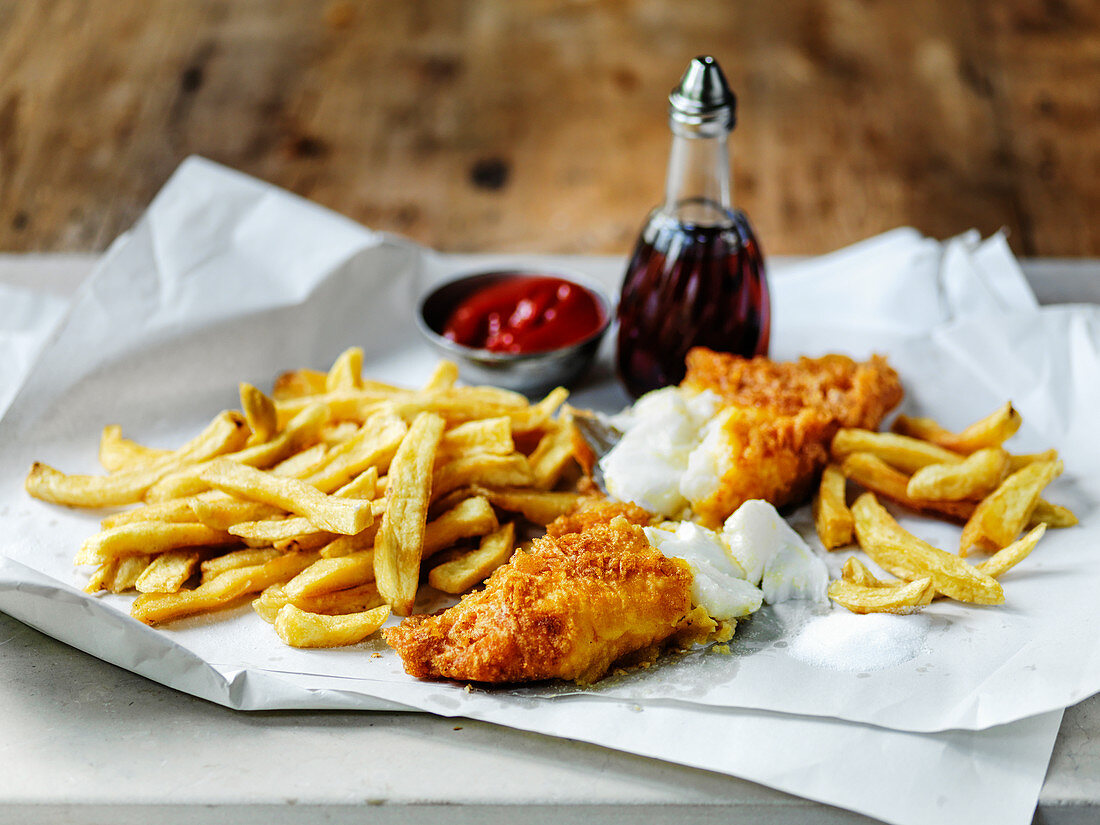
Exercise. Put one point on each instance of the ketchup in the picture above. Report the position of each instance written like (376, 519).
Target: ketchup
(525, 313)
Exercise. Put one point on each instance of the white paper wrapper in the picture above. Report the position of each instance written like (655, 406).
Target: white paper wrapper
(26, 320)
(227, 279)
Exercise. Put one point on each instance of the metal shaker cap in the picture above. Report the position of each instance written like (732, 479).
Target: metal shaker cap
(702, 105)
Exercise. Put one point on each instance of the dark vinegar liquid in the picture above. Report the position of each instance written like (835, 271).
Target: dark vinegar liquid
(689, 285)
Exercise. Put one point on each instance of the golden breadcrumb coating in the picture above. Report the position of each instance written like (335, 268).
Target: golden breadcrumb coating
(597, 509)
(568, 609)
(778, 418)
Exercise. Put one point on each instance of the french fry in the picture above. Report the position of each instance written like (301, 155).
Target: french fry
(235, 559)
(346, 372)
(301, 464)
(488, 435)
(832, 518)
(900, 597)
(167, 572)
(537, 506)
(472, 517)
(221, 511)
(899, 451)
(443, 377)
(552, 454)
(876, 475)
(1008, 557)
(302, 429)
(908, 557)
(338, 432)
(226, 433)
(400, 539)
(220, 591)
(973, 478)
(118, 453)
(270, 601)
(345, 404)
(337, 515)
(329, 575)
(1004, 513)
(484, 469)
(274, 530)
(259, 412)
(117, 575)
(147, 538)
(298, 628)
(374, 446)
(1052, 515)
(991, 431)
(857, 572)
(346, 545)
(352, 600)
(178, 510)
(298, 384)
(1018, 462)
(460, 574)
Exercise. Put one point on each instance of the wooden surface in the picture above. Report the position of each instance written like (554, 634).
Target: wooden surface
(540, 125)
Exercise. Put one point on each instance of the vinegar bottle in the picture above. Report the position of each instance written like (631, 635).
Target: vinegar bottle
(696, 277)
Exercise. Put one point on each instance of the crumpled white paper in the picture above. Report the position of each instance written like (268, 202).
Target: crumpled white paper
(228, 279)
(26, 320)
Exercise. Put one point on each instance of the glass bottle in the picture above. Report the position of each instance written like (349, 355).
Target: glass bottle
(696, 277)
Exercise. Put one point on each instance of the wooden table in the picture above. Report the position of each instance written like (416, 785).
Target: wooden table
(538, 125)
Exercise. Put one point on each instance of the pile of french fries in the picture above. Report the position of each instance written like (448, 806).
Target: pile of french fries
(324, 502)
(966, 477)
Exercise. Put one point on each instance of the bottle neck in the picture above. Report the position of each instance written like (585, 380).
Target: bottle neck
(697, 189)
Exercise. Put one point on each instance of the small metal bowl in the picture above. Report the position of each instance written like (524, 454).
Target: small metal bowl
(524, 372)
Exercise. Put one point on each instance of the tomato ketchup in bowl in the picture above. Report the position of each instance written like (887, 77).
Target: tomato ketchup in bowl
(518, 329)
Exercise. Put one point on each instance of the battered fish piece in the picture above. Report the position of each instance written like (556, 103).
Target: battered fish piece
(566, 610)
(778, 418)
(597, 509)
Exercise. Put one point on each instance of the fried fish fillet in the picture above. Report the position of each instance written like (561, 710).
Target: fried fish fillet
(778, 418)
(568, 609)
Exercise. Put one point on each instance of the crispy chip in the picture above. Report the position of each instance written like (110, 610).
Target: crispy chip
(876, 475)
(902, 597)
(905, 453)
(1008, 557)
(118, 453)
(832, 518)
(226, 433)
(220, 591)
(400, 539)
(346, 372)
(236, 558)
(460, 574)
(472, 517)
(991, 431)
(259, 412)
(147, 538)
(443, 377)
(484, 469)
(973, 478)
(1052, 515)
(537, 506)
(337, 515)
(1004, 513)
(178, 510)
(553, 453)
(1018, 462)
(298, 628)
(298, 384)
(906, 556)
(301, 430)
(329, 575)
(167, 572)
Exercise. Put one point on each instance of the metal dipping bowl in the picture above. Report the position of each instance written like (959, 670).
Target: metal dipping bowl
(523, 372)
